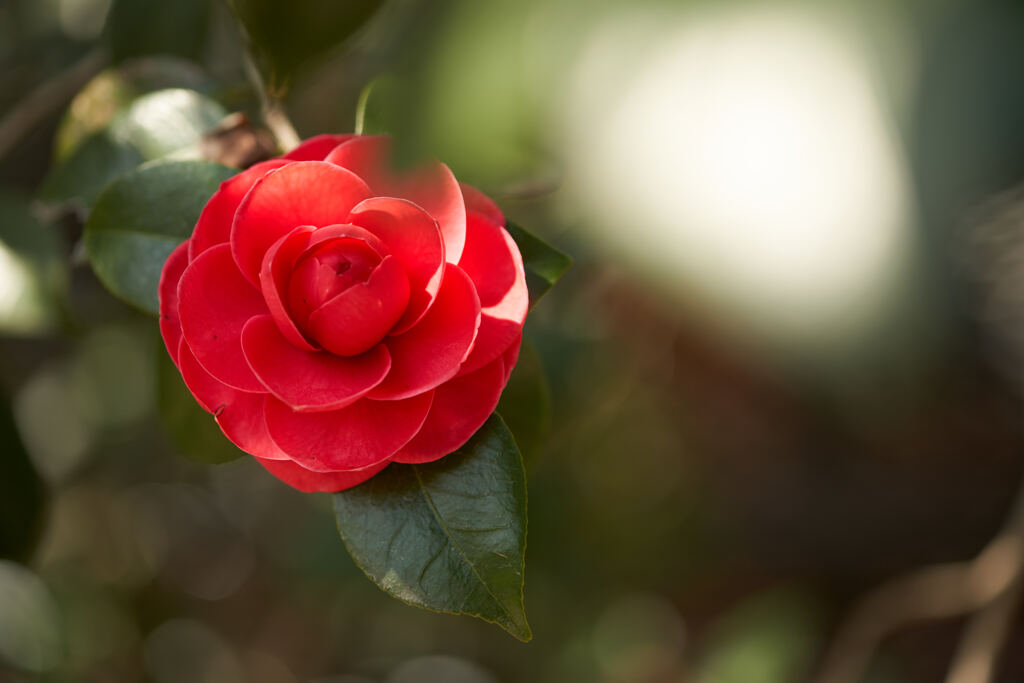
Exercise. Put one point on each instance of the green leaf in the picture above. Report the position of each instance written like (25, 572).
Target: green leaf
(144, 27)
(22, 493)
(167, 121)
(192, 429)
(284, 35)
(141, 217)
(31, 274)
(89, 168)
(544, 264)
(162, 123)
(526, 403)
(113, 90)
(448, 536)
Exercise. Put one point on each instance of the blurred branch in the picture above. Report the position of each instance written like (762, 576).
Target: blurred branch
(989, 588)
(272, 108)
(54, 93)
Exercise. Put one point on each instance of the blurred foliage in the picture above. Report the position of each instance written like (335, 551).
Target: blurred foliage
(285, 36)
(699, 510)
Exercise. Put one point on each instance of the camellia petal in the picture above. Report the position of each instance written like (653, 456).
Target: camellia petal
(214, 224)
(413, 237)
(359, 317)
(432, 351)
(431, 186)
(511, 355)
(215, 302)
(239, 413)
(308, 481)
(361, 435)
(316, 147)
(309, 380)
(170, 327)
(274, 275)
(302, 193)
(492, 261)
(460, 407)
(477, 201)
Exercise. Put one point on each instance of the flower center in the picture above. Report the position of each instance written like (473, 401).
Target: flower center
(326, 271)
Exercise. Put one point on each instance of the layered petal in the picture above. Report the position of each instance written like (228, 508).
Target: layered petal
(238, 413)
(493, 262)
(307, 481)
(302, 193)
(431, 186)
(214, 224)
(432, 351)
(316, 147)
(361, 435)
(359, 317)
(309, 380)
(477, 201)
(275, 274)
(167, 290)
(215, 302)
(511, 356)
(460, 407)
(413, 237)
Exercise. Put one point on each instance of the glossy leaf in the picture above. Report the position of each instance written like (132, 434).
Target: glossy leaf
(31, 275)
(140, 218)
(544, 264)
(193, 430)
(284, 35)
(448, 536)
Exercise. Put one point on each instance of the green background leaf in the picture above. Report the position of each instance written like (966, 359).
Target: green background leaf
(144, 27)
(284, 35)
(544, 264)
(31, 272)
(159, 124)
(450, 535)
(141, 217)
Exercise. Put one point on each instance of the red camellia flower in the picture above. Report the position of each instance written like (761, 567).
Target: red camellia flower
(335, 315)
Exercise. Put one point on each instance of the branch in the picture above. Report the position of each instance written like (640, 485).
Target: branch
(272, 108)
(989, 587)
(54, 93)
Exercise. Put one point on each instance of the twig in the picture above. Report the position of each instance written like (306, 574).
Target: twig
(273, 110)
(989, 587)
(48, 97)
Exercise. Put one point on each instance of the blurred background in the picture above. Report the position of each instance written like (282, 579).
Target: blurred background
(786, 366)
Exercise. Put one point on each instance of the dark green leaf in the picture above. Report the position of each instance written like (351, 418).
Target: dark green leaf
(450, 535)
(31, 275)
(146, 27)
(22, 494)
(94, 163)
(193, 430)
(141, 217)
(284, 35)
(526, 403)
(544, 264)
